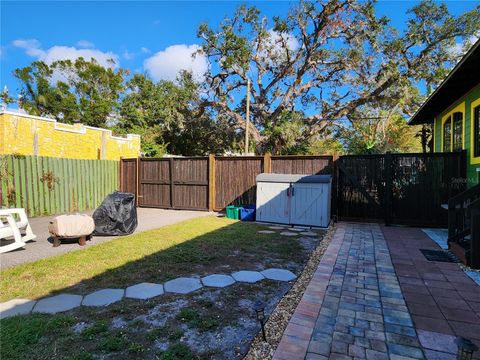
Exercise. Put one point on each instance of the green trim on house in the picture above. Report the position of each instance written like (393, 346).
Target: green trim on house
(473, 175)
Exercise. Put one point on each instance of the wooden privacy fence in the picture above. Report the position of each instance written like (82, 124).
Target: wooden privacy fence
(407, 189)
(395, 188)
(208, 183)
(47, 185)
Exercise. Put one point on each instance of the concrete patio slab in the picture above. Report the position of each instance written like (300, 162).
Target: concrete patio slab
(437, 341)
(58, 303)
(16, 307)
(474, 275)
(218, 280)
(144, 291)
(248, 276)
(41, 247)
(103, 297)
(278, 274)
(440, 236)
(182, 285)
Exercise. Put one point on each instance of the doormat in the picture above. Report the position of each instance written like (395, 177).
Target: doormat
(439, 255)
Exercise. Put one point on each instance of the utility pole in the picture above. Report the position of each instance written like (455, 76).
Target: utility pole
(247, 120)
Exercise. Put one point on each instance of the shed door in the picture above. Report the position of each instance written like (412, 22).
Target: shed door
(308, 204)
(273, 203)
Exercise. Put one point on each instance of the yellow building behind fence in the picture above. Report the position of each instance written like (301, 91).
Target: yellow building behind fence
(24, 134)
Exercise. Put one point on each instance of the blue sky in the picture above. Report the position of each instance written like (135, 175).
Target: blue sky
(151, 36)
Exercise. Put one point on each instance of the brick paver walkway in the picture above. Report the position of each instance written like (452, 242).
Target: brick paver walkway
(353, 306)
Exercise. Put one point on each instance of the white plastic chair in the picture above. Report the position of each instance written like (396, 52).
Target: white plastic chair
(12, 227)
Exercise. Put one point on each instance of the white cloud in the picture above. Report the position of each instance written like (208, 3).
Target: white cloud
(276, 40)
(273, 49)
(460, 47)
(72, 53)
(166, 64)
(85, 44)
(33, 48)
(145, 50)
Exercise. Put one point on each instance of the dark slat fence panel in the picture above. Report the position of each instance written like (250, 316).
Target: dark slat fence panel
(406, 189)
(235, 180)
(421, 184)
(128, 177)
(307, 165)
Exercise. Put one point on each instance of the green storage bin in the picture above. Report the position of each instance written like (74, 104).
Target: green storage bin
(233, 212)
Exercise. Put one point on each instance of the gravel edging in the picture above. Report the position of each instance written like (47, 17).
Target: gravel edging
(278, 320)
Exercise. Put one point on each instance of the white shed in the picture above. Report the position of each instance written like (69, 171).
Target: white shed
(294, 199)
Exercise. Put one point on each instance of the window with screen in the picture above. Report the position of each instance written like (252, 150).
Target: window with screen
(457, 131)
(447, 135)
(476, 131)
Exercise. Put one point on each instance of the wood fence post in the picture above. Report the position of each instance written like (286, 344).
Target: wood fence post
(137, 180)
(120, 175)
(267, 163)
(211, 182)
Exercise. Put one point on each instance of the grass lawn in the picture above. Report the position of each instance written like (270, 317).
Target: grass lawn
(211, 323)
(194, 246)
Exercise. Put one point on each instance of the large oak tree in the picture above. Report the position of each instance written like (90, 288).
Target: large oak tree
(333, 60)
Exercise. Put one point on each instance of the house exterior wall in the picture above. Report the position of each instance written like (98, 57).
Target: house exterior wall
(464, 104)
(31, 135)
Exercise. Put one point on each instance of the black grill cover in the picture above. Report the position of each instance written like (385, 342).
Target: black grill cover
(116, 215)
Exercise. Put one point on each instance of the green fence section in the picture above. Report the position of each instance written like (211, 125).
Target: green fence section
(47, 185)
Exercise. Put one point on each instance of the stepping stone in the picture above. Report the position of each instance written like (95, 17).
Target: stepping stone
(289, 233)
(144, 291)
(103, 297)
(277, 227)
(266, 232)
(16, 307)
(58, 303)
(218, 280)
(308, 233)
(279, 274)
(182, 285)
(247, 276)
(296, 229)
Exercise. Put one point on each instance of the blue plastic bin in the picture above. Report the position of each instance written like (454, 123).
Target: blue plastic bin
(247, 213)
